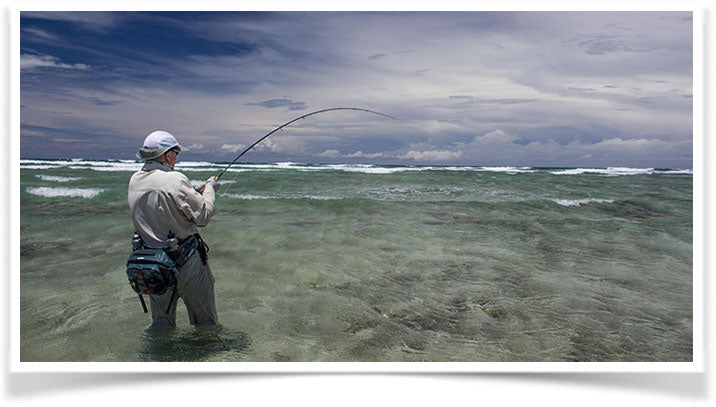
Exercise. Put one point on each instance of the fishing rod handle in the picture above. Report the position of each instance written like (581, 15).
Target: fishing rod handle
(200, 188)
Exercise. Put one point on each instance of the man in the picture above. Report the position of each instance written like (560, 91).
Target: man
(163, 204)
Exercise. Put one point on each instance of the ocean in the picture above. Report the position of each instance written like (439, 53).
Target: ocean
(369, 263)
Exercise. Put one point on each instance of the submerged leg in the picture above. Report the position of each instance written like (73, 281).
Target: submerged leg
(196, 286)
(159, 304)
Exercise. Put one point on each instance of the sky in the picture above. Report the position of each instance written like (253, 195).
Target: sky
(532, 88)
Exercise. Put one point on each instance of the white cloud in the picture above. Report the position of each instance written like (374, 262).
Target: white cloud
(443, 155)
(284, 144)
(495, 137)
(618, 142)
(361, 154)
(329, 153)
(233, 147)
(357, 154)
(30, 62)
(94, 20)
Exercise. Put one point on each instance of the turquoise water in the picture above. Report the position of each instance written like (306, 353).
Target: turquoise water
(371, 263)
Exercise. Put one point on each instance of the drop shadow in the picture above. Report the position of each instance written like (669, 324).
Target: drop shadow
(692, 386)
(31, 385)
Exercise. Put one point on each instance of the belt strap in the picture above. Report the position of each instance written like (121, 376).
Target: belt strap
(203, 249)
(186, 249)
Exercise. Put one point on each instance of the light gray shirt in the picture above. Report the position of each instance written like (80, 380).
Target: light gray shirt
(163, 200)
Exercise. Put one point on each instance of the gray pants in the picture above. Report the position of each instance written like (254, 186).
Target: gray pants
(195, 287)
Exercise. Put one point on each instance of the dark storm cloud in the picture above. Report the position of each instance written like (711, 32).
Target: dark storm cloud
(273, 103)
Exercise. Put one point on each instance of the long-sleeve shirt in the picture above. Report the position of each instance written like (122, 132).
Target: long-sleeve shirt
(162, 200)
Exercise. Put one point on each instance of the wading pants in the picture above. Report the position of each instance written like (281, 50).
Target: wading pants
(195, 286)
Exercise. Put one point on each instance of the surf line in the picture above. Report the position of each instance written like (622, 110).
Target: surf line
(247, 149)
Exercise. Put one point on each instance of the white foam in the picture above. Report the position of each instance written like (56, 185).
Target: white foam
(54, 192)
(509, 170)
(611, 171)
(39, 167)
(79, 164)
(244, 196)
(196, 183)
(676, 172)
(57, 178)
(579, 202)
(362, 168)
(252, 197)
(377, 170)
(48, 162)
(182, 164)
(205, 166)
(109, 168)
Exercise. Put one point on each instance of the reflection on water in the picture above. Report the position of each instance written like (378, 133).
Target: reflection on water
(193, 344)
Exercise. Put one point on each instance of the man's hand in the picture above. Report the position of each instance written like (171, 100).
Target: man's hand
(214, 182)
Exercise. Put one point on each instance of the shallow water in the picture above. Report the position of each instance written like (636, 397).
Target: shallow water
(367, 263)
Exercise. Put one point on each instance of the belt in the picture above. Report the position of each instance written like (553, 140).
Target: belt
(188, 246)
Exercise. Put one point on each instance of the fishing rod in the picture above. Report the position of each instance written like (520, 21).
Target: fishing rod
(295, 120)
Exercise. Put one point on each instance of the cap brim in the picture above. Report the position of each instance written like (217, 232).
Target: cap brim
(152, 153)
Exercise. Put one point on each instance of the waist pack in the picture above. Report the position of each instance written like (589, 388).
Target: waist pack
(151, 271)
(154, 271)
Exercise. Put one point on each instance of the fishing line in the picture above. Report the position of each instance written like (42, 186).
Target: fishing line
(232, 182)
(295, 120)
(247, 149)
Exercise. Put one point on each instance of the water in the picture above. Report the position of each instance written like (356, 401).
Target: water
(373, 263)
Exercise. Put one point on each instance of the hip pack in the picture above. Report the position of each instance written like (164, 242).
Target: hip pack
(151, 271)
(154, 271)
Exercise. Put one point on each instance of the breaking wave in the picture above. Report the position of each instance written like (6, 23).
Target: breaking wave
(579, 202)
(616, 171)
(252, 197)
(54, 192)
(57, 178)
(205, 166)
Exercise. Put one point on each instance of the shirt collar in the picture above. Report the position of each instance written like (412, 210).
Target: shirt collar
(157, 165)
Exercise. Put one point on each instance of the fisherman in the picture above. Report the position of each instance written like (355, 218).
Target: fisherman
(164, 205)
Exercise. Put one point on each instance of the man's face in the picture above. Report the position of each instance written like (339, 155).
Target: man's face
(172, 157)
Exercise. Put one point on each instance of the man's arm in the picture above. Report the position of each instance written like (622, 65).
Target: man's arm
(197, 207)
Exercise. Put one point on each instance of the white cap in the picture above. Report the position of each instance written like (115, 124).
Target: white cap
(156, 144)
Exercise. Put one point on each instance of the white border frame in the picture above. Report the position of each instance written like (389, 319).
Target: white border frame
(699, 180)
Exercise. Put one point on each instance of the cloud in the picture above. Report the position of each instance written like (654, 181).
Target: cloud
(538, 87)
(92, 20)
(444, 155)
(232, 147)
(39, 34)
(357, 154)
(283, 145)
(360, 154)
(273, 103)
(329, 154)
(29, 62)
(495, 137)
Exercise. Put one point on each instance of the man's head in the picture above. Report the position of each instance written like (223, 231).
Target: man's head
(160, 146)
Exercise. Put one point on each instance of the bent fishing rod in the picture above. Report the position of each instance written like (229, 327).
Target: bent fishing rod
(293, 121)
